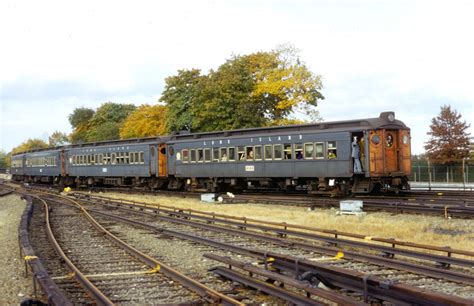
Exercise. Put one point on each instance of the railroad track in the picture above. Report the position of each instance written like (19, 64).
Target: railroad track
(105, 269)
(357, 277)
(448, 205)
(426, 277)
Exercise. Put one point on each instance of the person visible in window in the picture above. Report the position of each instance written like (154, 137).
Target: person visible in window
(224, 157)
(356, 155)
(331, 154)
(299, 155)
(250, 155)
(389, 140)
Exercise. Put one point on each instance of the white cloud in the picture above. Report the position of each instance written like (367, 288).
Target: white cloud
(373, 55)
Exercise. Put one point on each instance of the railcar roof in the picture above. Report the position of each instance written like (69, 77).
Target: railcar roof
(159, 139)
(382, 122)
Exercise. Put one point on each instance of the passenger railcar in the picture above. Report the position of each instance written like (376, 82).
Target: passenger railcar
(137, 162)
(17, 166)
(313, 156)
(320, 158)
(40, 166)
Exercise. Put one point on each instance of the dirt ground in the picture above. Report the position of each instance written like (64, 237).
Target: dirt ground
(14, 287)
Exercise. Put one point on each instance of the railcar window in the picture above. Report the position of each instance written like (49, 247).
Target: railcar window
(232, 154)
(137, 158)
(277, 151)
(224, 156)
(215, 154)
(249, 153)
(319, 146)
(207, 155)
(258, 152)
(287, 150)
(308, 150)
(126, 158)
(88, 159)
(298, 150)
(185, 154)
(332, 149)
(200, 155)
(193, 155)
(114, 158)
(241, 152)
(268, 152)
(142, 157)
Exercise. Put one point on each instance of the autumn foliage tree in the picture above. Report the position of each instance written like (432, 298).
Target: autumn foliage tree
(449, 139)
(102, 124)
(57, 139)
(30, 144)
(145, 121)
(259, 89)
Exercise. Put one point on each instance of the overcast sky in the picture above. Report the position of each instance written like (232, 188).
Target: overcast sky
(410, 57)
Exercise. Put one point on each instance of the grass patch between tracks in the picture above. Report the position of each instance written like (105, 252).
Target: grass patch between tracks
(432, 230)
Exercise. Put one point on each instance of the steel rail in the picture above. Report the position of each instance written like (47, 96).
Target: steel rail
(192, 213)
(54, 295)
(274, 276)
(99, 297)
(365, 283)
(350, 280)
(208, 293)
(290, 297)
(387, 262)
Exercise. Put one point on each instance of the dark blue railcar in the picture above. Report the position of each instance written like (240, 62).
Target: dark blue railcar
(42, 166)
(17, 166)
(317, 156)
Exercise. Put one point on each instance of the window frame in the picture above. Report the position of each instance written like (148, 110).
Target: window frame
(304, 150)
(265, 152)
(209, 153)
(316, 151)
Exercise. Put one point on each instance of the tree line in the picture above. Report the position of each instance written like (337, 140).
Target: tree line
(255, 90)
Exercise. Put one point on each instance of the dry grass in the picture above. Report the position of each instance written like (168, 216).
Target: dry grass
(456, 233)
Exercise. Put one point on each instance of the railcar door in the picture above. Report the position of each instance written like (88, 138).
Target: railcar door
(376, 153)
(391, 151)
(63, 162)
(405, 151)
(152, 160)
(162, 160)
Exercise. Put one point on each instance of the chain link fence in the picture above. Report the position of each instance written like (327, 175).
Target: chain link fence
(461, 172)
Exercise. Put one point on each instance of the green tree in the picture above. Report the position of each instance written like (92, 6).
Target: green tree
(259, 89)
(3, 159)
(145, 121)
(449, 139)
(79, 120)
(181, 94)
(107, 121)
(30, 144)
(80, 116)
(58, 139)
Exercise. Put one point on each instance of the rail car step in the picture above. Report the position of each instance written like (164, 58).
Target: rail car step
(362, 186)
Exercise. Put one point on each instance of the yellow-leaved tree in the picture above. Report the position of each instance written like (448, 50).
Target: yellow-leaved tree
(145, 121)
